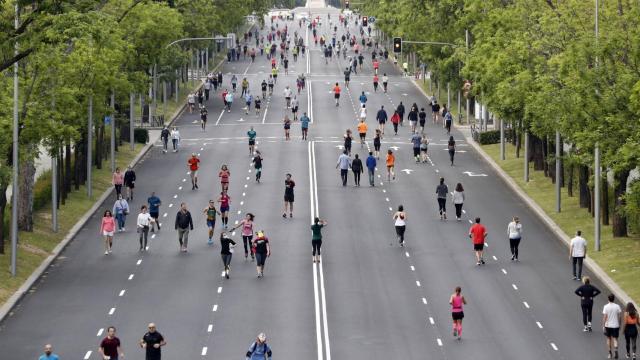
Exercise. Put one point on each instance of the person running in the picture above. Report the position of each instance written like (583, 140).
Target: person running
(287, 96)
(363, 99)
(154, 210)
(371, 168)
(110, 346)
(424, 148)
(363, 112)
(413, 118)
(385, 82)
(263, 87)
(478, 234)
(229, 100)
(164, 135)
(270, 83)
(458, 200)
(289, 184)
(375, 82)
(457, 301)
(400, 109)
(347, 76)
(175, 139)
(226, 252)
(357, 168)
(435, 110)
(400, 218)
(258, 105)
(259, 350)
(611, 325)
(247, 233)
(143, 224)
(587, 292)
(248, 99)
(348, 140)
(630, 329)
(262, 250)
(381, 118)
(203, 118)
(257, 164)
(294, 107)
(362, 131)
(224, 201)
(416, 141)
(117, 179)
(344, 163)
(48, 353)
(194, 163)
(451, 146)
(391, 162)
(336, 93)
(121, 210)
(224, 175)
(287, 127)
(234, 82)
(448, 119)
(129, 182)
(316, 238)
(107, 228)
(152, 341)
(577, 253)
(442, 190)
(514, 231)
(422, 119)
(304, 125)
(252, 140)
(376, 143)
(210, 214)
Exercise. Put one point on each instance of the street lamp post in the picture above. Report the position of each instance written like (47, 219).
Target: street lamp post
(15, 159)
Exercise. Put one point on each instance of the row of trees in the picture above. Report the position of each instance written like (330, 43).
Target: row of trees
(71, 52)
(540, 66)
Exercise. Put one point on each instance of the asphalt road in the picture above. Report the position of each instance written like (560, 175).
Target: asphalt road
(368, 299)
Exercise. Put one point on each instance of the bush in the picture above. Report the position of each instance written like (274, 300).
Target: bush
(141, 136)
(42, 191)
(493, 136)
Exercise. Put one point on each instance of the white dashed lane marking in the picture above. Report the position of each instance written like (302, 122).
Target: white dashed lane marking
(204, 351)
(504, 271)
(539, 325)
(131, 277)
(113, 310)
(210, 328)
(418, 283)
(431, 320)
(413, 268)
(514, 287)
(439, 342)
(525, 304)
(219, 289)
(122, 292)
(139, 262)
(100, 332)
(88, 355)
(424, 301)
(554, 346)
(215, 308)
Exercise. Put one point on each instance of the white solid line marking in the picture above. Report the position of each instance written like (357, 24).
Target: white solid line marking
(122, 292)
(413, 268)
(179, 187)
(439, 342)
(241, 203)
(322, 294)
(406, 253)
(112, 311)
(170, 205)
(88, 355)
(495, 258)
(424, 301)
(215, 308)
(525, 304)
(219, 289)
(431, 320)
(164, 215)
(514, 287)
(504, 271)
(554, 346)
(175, 196)
(204, 351)
(139, 262)
(243, 194)
(210, 328)
(131, 277)
(418, 283)
(100, 332)
(539, 325)
(153, 236)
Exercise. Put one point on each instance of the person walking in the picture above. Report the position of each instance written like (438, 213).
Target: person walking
(294, 107)
(344, 163)
(175, 139)
(577, 253)
(248, 99)
(226, 252)
(228, 99)
(316, 238)
(152, 342)
(252, 140)
(287, 127)
(48, 353)
(371, 168)
(363, 99)
(129, 182)
(182, 225)
(154, 210)
(587, 292)
(451, 146)
(422, 119)
(611, 325)
(385, 82)
(117, 180)
(514, 231)
(257, 164)
(121, 210)
(203, 118)
(210, 213)
(142, 225)
(289, 184)
(416, 141)
(457, 301)
(262, 250)
(247, 233)
(287, 92)
(391, 163)
(257, 105)
(630, 329)
(395, 120)
(478, 234)
(424, 148)
(164, 135)
(441, 191)
(348, 140)
(304, 125)
(401, 110)
(357, 168)
(400, 218)
(194, 164)
(110, 346)
(458, 200)
(107, 228)
(377, 143)
(259, 350)
(381, 118)
(225, 201)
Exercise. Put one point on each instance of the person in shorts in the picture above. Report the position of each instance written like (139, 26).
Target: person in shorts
(362, 130)
(210, 212)
(478, 233)
(289, 184)
(154, 210)
(193, 163)
(336, 93)
(611, 325)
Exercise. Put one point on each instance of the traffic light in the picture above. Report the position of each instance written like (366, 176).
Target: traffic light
(346, 4)
(397, 45)
(364, 21)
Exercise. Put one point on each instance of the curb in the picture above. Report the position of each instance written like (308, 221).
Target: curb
(589, 263)
(6, 308)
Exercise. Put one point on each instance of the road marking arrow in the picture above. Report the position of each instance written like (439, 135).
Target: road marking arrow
(470, 173)
(408, 171)
(395, 148)
(241, 119)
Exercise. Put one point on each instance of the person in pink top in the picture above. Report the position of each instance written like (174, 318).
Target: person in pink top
(247, 234)
(117, 180)
(107, 228)
(224, 177)
(457, 301)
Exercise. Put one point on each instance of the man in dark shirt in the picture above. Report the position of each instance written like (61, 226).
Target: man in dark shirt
(152, 341)
(357, 168)
(154, 209)
(587, 292)
(110, 345)
(183, 224)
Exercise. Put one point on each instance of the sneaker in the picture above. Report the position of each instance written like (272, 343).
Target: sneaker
(586, 328)
(106, 252)
(226, 275)
(615, 355)
(210, 242)
(402, 244)
(284, 215)
(196, 186)
(482, 261)
(628, 355)
(513, 257)
(478, 263)
(290, 215)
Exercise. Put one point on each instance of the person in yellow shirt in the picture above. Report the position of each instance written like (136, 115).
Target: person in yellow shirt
(391, 161)
(362, 130)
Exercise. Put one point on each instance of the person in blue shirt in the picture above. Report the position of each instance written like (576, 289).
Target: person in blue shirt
(371, 167)
(363, 99)
(252, 140)
(259, 350)
(48, 353)
(304, 124)
(154, 210)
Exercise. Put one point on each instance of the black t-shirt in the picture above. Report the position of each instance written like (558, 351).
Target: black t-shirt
(264, 86)
(413, 115)
(151, 339)
(257, 162)
(422, 115)
(347, 141)
(288, 187)
(225, 243)
(261, 245)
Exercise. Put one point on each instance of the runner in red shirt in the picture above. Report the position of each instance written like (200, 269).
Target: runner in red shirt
(336, 93)
(478, 233)
(193, 167)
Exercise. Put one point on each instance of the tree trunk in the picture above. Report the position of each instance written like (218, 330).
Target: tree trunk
(77, 177)
(570, 172)
(67, 170)
(27, 174)
(537, 152)
(545, 156)
(551, 164)
(3, 207)
(561, 155)
(518, 144)
(99, 146)
(619, 218)
(605, 199)
(583, 186)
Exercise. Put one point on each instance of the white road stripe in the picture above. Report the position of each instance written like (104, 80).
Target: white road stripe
(131, 277)
(122, 292)
(219, 289)
(153, 236)
(220, 117)
(215, 308)
(504, 271)
(175, 196)
(139, 262)
(418, 283)
(164, 215)
(554, 346)
(179, 187)
(100, 332)
(539, 325)
(514, 287)
(113, 310)
(431, 320)
(525, 304)
(88, 355)
(248, 178)
(439, 342)
(243, 194)
(241, 203)
(413, 268)
(210, 328)
(424, 301)
(495, 258)
(170, 205)
(406, 253)
(204, 351)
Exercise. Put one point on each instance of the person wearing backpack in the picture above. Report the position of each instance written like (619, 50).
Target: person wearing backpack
(259, 350)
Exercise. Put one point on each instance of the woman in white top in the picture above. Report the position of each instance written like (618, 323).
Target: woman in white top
(175, 138)
(400, 218)
(458, 200)
(515, 234)
(144, 220)
(363, 113)
(191, 100)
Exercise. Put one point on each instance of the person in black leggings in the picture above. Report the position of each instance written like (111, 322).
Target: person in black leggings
(630, 331)
(442, 190)
(316, 238)
(587, 292)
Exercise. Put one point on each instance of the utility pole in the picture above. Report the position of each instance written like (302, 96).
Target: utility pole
(596, 194)
(558, 170)
(15, 188)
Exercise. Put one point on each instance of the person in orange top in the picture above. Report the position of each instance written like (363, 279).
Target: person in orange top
(362, 130)
(193, 170)
(376, 64)
(224, 177)
(395, 120)
(478, 233)
(391, 162)
(107, 228)
(336, 93)
(117, 180)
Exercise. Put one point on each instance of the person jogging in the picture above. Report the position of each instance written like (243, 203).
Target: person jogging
(385, 82)
(357, 168)
(441, 191)
(376, 143)
(316, 238)
(347, 76)
(107, 228)
(514, 231)
(262, 250)
(210, 215)
(611, 325)
(400, 222)
(371, 168)
(577, 253)
(154, 210)
(143, 224)
(259, 350)
(395, 121)
(183, 224)
(362, 131)
(193, 163)
(224, 175)
(258, 105)
(247, 233)
(422, 119)
(257, 164)
(226, 252)
(458, 200)
(203, 118)
(152, 341)
(416, 141)
(478, 234)
(381, 118)
(164, 135)
(363, 99)
(344, 163)
(252, 140)
(248, 99)
(175, 139)
(451, 146)
(587, 293)
(289, 184)
(391, 163)
(110, 346)
(401, 110)
(424, 148)
(304, 125)
(363, 112)
(630, 330)
(224, 201)
(457, 301)
(336, 93)
(375, 82)
(348, 140)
